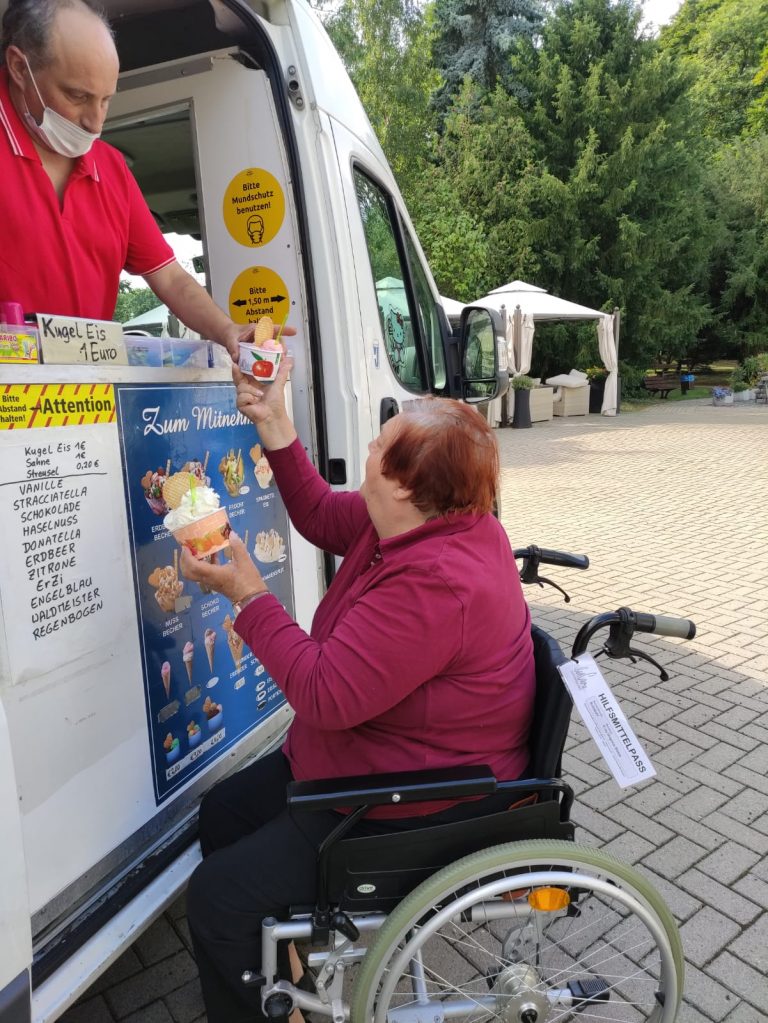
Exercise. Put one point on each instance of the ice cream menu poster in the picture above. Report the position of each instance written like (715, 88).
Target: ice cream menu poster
(204, 688)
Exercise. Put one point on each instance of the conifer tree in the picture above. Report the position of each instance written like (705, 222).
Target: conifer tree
(617, 217)
(475, 38)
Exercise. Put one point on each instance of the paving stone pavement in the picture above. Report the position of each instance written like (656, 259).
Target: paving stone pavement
(671, 505)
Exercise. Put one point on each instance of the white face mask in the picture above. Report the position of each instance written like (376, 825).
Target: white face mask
(59, 133)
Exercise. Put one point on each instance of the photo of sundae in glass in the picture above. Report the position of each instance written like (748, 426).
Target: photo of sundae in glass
(262, 470)
(232, 472)
(152, 485)
(198, 470)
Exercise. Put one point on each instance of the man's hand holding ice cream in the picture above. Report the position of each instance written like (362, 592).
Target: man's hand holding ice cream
(238, 580)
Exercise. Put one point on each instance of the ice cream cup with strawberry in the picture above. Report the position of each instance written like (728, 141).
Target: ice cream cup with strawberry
(261, 359)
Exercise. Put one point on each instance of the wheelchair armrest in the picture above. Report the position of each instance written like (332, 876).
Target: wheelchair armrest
(398, 787)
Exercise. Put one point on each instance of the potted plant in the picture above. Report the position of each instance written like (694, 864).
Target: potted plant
(596, 375)
(741, 392)
(740, 385)
(722, 396)
(522, 385)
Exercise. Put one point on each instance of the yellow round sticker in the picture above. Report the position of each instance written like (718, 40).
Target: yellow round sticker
(254, 207)
(258, 291)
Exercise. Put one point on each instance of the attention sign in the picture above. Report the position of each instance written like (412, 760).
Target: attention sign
(31, 406)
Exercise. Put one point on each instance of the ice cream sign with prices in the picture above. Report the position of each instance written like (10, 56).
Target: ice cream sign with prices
(254, 207)
(256, 292)
(60, 545)
(67, 339)
(184, 448)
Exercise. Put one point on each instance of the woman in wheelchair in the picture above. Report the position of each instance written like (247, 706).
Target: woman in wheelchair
(419, 656)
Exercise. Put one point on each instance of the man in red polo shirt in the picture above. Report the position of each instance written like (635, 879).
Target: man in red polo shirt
(71, 214)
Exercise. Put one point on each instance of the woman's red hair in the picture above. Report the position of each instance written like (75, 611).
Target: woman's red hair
(445, 453)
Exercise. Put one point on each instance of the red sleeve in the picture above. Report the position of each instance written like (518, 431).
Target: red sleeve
(147, 248)
(328, 519)
(370, 662)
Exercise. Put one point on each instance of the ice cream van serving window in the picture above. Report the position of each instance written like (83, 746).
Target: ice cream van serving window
(408, 315)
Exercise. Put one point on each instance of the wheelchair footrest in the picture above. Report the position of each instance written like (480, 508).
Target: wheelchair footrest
(592, 989)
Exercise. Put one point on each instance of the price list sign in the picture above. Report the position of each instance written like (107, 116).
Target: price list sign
(58, 541)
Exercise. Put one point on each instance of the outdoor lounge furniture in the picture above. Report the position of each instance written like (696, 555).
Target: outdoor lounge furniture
(542, 397)
(571, 396)
(571, 401)
(661, 384)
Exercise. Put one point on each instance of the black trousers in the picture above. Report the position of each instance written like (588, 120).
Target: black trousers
(256, 863)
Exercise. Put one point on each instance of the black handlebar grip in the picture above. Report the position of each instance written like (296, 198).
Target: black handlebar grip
(562, 559)
(662, 625)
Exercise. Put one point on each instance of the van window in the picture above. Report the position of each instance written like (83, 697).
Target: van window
(428, 321)
(389, 277)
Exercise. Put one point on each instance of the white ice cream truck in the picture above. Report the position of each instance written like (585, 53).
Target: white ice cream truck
(124, 692)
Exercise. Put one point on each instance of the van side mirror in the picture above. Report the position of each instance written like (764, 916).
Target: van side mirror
(483, 354)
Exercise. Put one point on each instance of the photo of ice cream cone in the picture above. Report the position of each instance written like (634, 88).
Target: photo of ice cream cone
(165, 673)
(235, 648)
(234, 642)
(210, 644)
(188, 657)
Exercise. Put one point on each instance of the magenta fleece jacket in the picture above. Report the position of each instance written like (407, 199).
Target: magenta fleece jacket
(420, 653)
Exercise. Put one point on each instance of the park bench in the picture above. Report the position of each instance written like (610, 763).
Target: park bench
(661, 384)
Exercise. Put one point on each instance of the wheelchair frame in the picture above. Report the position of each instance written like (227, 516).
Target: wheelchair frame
(519, 869)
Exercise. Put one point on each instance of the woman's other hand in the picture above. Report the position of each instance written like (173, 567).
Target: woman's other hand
(236, 580)
(264, 405)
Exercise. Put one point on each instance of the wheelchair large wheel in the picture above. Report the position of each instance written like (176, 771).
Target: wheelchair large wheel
(529, 932)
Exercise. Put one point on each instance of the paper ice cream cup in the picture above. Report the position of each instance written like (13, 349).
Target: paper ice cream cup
(258, 362)
(215, 721)
(206, 535)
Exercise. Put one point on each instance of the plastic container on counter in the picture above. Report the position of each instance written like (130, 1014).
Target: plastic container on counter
(144, 351)
(189, 354)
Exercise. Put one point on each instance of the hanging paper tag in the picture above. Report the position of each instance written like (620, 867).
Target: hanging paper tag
(599, 709)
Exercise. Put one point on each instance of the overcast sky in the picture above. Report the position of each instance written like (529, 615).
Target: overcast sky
(660, 11)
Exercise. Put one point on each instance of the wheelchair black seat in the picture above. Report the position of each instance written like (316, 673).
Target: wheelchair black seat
(373, 873)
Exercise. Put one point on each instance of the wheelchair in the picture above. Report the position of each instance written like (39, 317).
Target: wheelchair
(502, 917)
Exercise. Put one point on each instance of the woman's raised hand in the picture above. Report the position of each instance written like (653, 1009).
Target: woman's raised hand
(264, 404)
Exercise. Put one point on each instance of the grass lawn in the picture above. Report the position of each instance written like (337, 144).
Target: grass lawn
(697, 391)
(639, 404)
